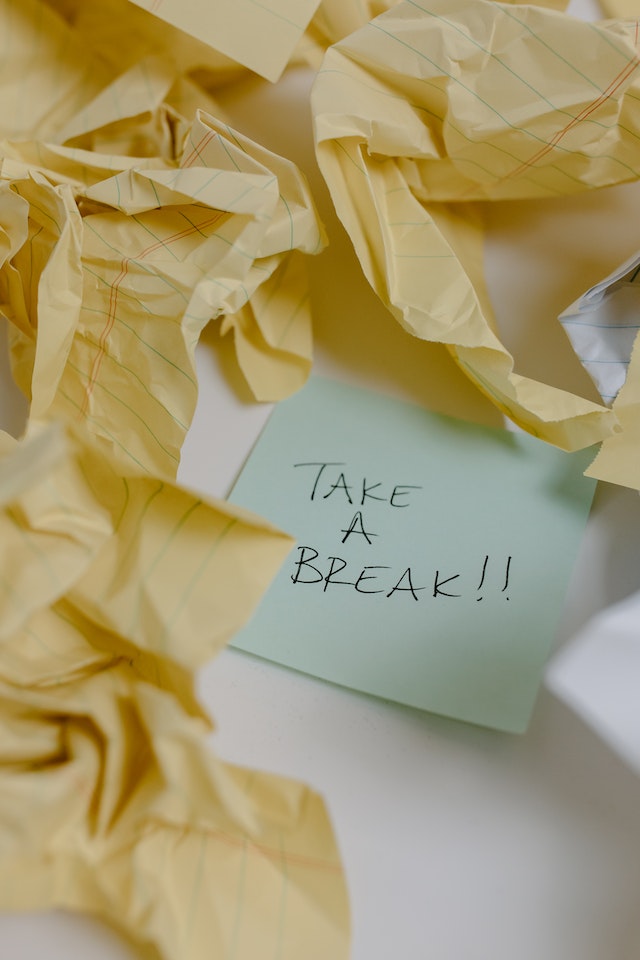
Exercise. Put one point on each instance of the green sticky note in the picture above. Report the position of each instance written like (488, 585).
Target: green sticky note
(432, 555)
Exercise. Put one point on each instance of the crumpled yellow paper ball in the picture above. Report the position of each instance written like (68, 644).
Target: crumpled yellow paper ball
(125, 228)
(111, 803)
(428, 111)
(141, 566)
(113, 587)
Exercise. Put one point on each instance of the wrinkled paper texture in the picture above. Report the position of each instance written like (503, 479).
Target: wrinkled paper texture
(433, 107)
(125, 228)
(261, 34)
(131, 215)
(113, 587)
(336, 19)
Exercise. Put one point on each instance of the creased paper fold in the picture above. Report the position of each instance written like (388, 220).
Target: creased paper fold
(435, 106)
(125, 229)
(113, 586)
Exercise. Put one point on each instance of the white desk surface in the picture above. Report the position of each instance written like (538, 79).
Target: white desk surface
(458, 843)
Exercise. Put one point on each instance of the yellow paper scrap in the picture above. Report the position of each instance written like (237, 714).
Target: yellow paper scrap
(112, 588)
(129, 217)
(261, 34)
(120, 34)
(123, 234)
(148, 564)
(618, 460)
(436, 105)
(111, 804)
(336, 19)
(46, 74)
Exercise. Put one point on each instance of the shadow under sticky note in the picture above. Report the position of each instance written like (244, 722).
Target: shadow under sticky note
(432, 558)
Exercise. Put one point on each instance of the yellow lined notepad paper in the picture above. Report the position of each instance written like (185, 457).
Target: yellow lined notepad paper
(128, 228)
(260, 34)
(336, 19)
(113, 587)
(436, 105)
(131, 216)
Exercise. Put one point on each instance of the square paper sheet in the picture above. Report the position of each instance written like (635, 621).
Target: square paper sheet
(432, 556)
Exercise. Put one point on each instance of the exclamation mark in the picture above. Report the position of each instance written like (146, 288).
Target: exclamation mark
(484, 570)
(506, 579)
